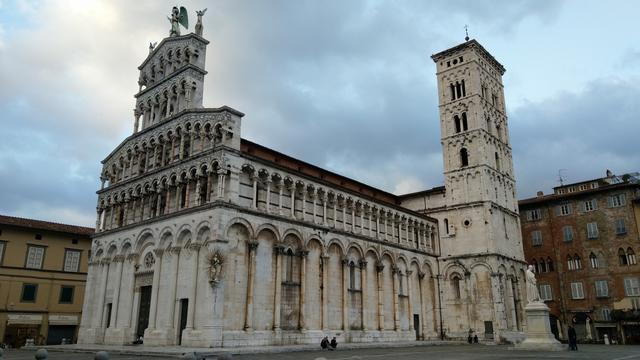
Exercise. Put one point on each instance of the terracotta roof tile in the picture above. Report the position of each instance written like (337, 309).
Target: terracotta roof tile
(45, 225)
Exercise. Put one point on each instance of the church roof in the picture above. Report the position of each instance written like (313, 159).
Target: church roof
(45, 225)
(331, 179)
(473, 43)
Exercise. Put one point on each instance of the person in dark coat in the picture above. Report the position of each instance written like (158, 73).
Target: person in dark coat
(324, 344)
(475, 339)
(334, 343)
(573, 339)
(469, 339)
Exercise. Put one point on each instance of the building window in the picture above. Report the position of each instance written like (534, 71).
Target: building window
(567, 233)
(536, 269)
(631, 257)
(563, 210)
(576, 291)
(464, 157)
(352, 275)
(2, 246)
(550, 264)
(456, 120)
(570, 263)
(632, 287)
(593, 260)
(288, 266)
(605, 314)
(465, 125)
(29, 292)
(533, 215)
(592, 230)
(72, 260)
(545, 292)
(602, 288)
(620, 227)
(616, 200)
(635, 303)
(590, 205)
(455, 287)
(543, 266)
(66, 295)
(35, 257)
(536, 238)
(577, 262)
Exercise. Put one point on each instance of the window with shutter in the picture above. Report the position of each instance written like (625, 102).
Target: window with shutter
(545, 292)
(605, 314)
(35, 256)
(632, 287)
(620, 227)
(602, 288)
(577, 291)
(72, 260)
(536, 238)
(592, 230)
(567, 233)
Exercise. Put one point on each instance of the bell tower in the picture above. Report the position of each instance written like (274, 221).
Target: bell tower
(480, 195)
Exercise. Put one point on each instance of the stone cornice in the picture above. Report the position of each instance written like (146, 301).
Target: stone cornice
(170, 78)
(171, 39)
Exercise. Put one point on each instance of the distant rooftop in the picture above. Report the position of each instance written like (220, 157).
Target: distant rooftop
(45, 225)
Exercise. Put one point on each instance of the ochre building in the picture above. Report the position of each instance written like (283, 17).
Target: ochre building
(207, 239)
(43, 269)
(582, 241)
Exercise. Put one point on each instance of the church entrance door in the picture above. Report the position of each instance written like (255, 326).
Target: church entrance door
(143, 310)
(184, 307)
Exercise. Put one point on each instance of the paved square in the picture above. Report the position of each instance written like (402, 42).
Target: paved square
(445, 352)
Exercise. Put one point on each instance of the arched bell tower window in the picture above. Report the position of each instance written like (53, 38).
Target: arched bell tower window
(288, 266)
(455, 287)
(465, 127)
(446, 226)
(464, 157)
(352, 275)
(497, 161)
(456, 120)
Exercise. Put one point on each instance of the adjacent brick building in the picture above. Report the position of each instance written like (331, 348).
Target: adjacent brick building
(583, 240)
(43, 270)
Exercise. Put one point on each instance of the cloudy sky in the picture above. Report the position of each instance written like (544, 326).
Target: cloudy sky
(346, 85)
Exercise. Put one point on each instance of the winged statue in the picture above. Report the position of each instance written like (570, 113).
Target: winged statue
(178, 17)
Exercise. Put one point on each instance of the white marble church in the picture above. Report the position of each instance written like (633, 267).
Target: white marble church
(207, 239)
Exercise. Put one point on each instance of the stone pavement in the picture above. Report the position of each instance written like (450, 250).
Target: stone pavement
(448, 351)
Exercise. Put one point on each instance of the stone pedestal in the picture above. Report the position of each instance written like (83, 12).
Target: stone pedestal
(538, 334)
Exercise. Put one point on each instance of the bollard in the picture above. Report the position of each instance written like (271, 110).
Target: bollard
(101, 355)
(41, 354)
(606, 339)
(189, 356)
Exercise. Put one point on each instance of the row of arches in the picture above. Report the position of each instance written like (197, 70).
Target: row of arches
(274, 192)
(166, 101)
(166, 146)
(162, 194)
(168, 61)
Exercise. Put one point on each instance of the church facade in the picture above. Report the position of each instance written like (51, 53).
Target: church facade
(207, 239)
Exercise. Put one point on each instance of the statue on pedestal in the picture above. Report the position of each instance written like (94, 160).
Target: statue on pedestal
(178, 17)
(199, 22)
(532, 286)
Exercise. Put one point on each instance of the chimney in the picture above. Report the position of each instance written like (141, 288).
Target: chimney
(539, 194)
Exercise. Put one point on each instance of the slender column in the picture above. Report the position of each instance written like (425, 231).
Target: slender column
(324, 209)
(377, 226)
(345, 294)
(276, 302)
(118, 259)
(254, 203)
(172, 153)
(153, 311)
(133, 259)
(353, 218)
(146, 159)
(304, 203)
(268, 206)
(335, 211)
(191, 136)
(163, 152)
(195, 251)
(210, 190)
(175, 266)
(303, 287)
(248, 319)
(512, 304)
(168, 106)
(361, 219)
(423, 308)
(379, 274)
(158, 201)
(344, 215)
(201, 137)
(396, 317)
(181, 149)
(280, 187)
(314, 212)
(167, 202)
(111, 212)
(103, 293)
(293, 201)
(199, 200)
(363, 293)
(187, 194)
(325, 291)
(220, 194)
(125, 211)
(410, 299)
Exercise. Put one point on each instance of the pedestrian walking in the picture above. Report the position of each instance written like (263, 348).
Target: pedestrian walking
(573, 339)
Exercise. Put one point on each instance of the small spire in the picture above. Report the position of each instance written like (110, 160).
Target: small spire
(466, 31)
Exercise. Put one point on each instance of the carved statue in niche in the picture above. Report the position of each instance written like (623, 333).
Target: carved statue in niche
(215, 260)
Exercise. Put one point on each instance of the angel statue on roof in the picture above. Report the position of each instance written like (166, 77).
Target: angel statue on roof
(178, 17)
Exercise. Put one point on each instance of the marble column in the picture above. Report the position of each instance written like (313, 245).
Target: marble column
(104, 279)
(363, 292)
(345, 294)
(194, 248)
(175, 267)
(118, 259)
(410, 299)
(268, 205)
(423, 308)
(278, 288)
(248, 319)
(379, 274)
(157, 267)
(254, 203)
(396, 316)
(303, 287)
(325, 292)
